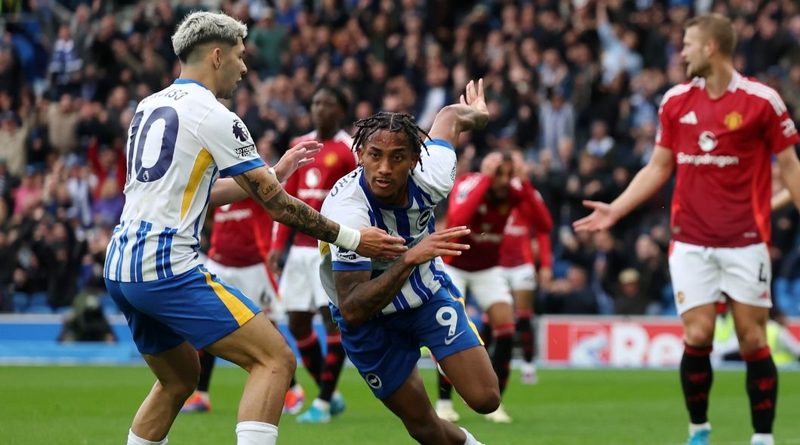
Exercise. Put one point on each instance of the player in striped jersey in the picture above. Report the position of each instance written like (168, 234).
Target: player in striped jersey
(180, 140)
(387, 310)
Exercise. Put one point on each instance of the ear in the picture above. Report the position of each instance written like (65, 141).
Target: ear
(216, 57)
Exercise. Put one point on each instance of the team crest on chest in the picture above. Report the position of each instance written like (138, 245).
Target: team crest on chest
(330, 159)
(424, 217)
(733, 120)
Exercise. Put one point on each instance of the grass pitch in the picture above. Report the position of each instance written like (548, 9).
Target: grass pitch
(94, 405)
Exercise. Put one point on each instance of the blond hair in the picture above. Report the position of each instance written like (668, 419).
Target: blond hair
(201, 27)
(718, 28)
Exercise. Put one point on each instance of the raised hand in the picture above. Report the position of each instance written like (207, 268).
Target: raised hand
(474, 98)
(301, 154)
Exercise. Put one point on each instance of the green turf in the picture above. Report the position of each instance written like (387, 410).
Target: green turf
(94, 405)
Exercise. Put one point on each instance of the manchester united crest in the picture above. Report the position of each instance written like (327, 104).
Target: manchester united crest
(733, 120)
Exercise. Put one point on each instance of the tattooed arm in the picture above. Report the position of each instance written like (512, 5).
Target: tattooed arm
(264, 187)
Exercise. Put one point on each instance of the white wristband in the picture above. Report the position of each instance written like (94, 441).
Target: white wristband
(348, 238)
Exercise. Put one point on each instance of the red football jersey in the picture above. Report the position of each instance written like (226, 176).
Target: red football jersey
(241, 234)
(311, 183)
(722, 150)
(527, 220)
(470, 206)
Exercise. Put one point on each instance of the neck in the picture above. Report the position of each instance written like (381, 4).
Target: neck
(325, 134)
(203, 76)
(719, 79)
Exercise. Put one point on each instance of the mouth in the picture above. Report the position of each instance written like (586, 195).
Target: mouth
(382, 183)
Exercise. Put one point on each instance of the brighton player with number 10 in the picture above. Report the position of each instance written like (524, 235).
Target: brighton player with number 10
(180, 141)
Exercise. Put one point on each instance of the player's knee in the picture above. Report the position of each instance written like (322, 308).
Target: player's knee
(751, 341)
(699, 335)
(485, 399)
(285, 359)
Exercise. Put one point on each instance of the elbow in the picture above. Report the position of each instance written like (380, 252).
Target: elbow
(352, 317)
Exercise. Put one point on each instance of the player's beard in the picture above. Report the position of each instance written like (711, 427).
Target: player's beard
(700, 69)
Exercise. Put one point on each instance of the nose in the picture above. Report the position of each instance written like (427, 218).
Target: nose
(384, 166)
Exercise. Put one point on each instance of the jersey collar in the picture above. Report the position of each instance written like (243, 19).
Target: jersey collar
(736, 79)
(183, 81)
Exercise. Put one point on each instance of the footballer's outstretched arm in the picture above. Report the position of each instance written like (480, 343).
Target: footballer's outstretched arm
(644, 184)
(361, 298)
(470, 113)
(264, 187)
(790, 175)
(227, 191)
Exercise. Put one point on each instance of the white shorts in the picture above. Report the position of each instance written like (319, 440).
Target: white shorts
(522, 277)
(700, 275)
(301, 287)
(487, 287)
(255, 284)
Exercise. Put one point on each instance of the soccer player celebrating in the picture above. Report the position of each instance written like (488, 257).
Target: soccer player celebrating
(300, 285)
(718, 133)
(483, 202)
(387, 310)
(180, 140)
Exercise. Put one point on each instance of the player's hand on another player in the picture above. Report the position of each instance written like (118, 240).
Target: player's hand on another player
(274, 262)
(491, 163)
(602, 217)
(375, 243)
(296, 157)
(438, 244)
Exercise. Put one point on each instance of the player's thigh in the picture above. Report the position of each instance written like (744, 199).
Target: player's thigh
(471, 373)
(410, 402)
(500, 313)
(294, 288)
(176, 367)
(257, 342)
(384, 350)
(698, 324)
(696, 276)
(750, 323)
(489, 287)
(746, 274)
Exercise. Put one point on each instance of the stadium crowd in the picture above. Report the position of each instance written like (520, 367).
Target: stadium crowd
(574, 85)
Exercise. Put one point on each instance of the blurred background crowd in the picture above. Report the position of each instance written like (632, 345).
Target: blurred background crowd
(574, 84)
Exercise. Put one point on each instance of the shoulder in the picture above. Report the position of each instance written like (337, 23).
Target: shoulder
(344, 138)
(757, 91)
(678, 92)
(346, 190)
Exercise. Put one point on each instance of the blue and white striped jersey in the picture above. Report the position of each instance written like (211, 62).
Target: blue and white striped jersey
(351, 203)
(181, 139)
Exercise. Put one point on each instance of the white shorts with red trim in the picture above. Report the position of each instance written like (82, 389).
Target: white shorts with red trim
(522, 277)
(300, 286)
(701, 275)
(487, 287)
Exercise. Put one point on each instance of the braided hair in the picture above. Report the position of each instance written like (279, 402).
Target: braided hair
(392, 122)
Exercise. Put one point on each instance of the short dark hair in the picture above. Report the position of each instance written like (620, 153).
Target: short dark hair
(393, 122)
(718, 28)
(336, 92)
